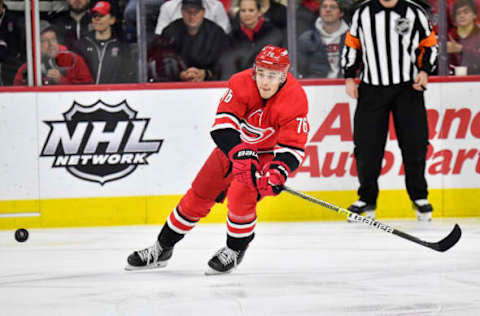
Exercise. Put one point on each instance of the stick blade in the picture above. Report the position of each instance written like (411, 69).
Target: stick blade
(449, 241)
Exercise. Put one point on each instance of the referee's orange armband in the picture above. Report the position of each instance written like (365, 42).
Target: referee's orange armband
(352, 41)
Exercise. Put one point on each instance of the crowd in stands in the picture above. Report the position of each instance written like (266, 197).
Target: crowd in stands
(463, 44)
(197, 40)
(59, 65)
(319, 47)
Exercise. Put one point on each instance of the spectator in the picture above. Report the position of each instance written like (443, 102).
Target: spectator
(250, 34)
(12, 44)
(319, 48)
(107, 56)
(164, 64)
(198, 41)
(171, 11)
(435, 14)
(117, 9)
(463, 46)
(152, 7)
(73, 24)
(272, 11)
(58, 65)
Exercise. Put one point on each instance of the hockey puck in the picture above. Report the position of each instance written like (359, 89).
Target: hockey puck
(21, 234)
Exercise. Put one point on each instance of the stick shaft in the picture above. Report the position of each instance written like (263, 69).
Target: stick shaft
(441, 246)
(352, 216)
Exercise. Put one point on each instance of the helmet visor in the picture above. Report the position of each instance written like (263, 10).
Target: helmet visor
(269, 74)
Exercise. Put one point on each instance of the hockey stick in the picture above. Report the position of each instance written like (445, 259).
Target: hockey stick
(443, 245)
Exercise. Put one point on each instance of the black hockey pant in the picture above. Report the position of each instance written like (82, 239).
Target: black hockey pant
(370, 134)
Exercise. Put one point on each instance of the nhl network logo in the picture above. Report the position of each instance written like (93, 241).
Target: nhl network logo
(99, 142)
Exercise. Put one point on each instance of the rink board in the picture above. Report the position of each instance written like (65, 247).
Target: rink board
(155, 209)
(115, 157)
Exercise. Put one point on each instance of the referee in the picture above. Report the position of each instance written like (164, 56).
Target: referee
(392, 44)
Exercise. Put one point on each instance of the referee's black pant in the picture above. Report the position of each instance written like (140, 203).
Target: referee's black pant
(370, 134)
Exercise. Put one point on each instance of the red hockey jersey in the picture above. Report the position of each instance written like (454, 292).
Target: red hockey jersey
(278, 124)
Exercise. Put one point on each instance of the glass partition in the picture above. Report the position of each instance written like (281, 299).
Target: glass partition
(13, 49)
(77, 42)
(130, 41)
(321, 28)
(92, 33)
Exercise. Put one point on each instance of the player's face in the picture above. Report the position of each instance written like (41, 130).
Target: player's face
(268, 81)
(330, 11)
(465, 16)
(49, 44)
(249, 13)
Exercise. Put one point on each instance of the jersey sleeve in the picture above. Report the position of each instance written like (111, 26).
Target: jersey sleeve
(427, 52)
(351, 53)
(231, 109)
(293, 132)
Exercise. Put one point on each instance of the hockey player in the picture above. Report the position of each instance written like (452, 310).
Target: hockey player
(260, 130)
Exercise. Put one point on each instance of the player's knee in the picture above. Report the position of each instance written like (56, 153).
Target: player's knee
(195, 206)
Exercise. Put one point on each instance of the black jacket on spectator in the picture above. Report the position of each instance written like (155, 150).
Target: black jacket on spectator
(12, 45)
(109, 61)
(202, 50)
(242, 51)
(69, 30)
(277, 15)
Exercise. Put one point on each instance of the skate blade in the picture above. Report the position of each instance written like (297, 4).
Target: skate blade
(211, 271)
(424, 217)
(149, 267)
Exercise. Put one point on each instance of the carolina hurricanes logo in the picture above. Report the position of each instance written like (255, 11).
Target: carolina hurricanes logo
(251, 132)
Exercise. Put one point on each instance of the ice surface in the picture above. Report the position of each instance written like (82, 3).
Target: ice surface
(314, 268)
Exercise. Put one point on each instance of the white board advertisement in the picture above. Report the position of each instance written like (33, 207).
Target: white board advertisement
(153, 142)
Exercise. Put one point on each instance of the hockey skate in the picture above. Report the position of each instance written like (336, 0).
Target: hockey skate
(149, 258)
(423, 209)
(224, 260)
(362, 208)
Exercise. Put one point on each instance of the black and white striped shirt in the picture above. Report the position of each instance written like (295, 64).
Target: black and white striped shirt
(394, 44)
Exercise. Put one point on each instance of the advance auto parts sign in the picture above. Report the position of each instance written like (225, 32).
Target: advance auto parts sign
(99, 142)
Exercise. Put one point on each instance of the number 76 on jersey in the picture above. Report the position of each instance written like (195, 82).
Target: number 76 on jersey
(302, 125)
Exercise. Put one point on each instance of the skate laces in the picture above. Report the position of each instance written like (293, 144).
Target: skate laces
(150, 254)
(227, 255)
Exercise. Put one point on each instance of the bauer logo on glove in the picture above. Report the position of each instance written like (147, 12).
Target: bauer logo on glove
(244, 158)
(245, 154)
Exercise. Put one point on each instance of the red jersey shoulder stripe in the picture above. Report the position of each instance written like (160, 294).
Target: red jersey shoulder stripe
(226, 120)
